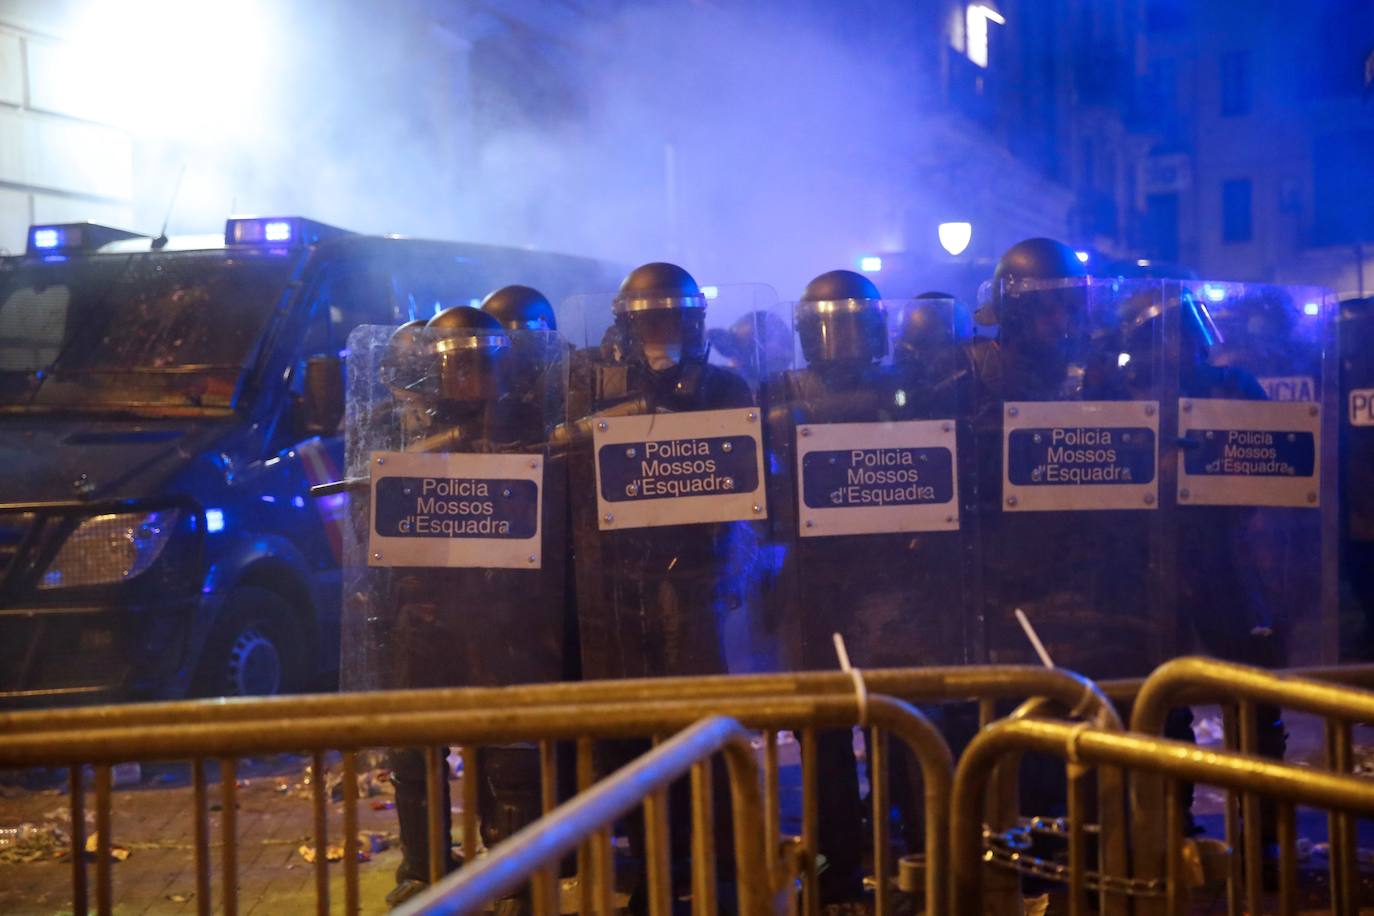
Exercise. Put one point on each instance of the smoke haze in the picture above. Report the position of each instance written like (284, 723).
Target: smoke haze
(760, 143)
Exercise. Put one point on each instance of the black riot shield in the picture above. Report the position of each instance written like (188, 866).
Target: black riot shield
(1356, 341)
(455, 556)
(864, 497)
(1064, 472)
(1254, 532)
(669, 508)
(454, 567)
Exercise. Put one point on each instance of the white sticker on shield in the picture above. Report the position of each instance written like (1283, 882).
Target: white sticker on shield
(1249, 453)
(679, 468)
(1080, 455)
(456, 510)
(876, 478)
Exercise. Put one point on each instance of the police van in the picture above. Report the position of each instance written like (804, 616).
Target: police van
(165, 407)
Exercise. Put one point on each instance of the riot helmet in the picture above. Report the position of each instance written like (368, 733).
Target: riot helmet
(404, 366)
(661, 313)
(520, 308)
(756, 341)
(1038, 298)
(1141, 325)
(469, 348)
(930, 323)
(841, 318)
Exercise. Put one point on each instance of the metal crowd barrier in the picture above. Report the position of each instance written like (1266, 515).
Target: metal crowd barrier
(471, 728)
(1239, 689)
(1081, 744)
(535, 851)
(804, 702)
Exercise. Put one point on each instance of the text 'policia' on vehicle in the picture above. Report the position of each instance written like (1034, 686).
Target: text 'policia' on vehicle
(165, 406)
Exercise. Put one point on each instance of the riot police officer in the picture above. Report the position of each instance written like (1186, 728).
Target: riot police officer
(655, 600)
(1071, 571)
(894, 595)
(472, 625)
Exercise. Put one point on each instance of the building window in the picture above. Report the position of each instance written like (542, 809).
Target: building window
(978, 20)
(1235, 211)
(1235, 83)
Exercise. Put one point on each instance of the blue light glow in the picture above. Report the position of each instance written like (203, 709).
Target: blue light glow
(47, 238)
(1312, 309)
(1082, 256)
(1213, 292)
(268, 498)
(214, 520)
(277, 231)
(870, 265)
(298, 502)
(52, 578)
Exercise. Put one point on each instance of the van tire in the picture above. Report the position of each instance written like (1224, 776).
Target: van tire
(253, 650)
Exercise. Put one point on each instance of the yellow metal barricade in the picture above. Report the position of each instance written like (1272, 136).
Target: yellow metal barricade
(1079, 744)
(1240, 689)
(471, 727)
(533, 853)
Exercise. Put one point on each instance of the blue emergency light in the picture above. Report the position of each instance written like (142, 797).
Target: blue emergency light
(277, 231)
(66, 237)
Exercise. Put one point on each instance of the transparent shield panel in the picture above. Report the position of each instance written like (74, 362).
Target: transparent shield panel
(1063, 467)
(1256, 432)
(864, 491)
(455, 550)
(669, 503)
(1355, 405)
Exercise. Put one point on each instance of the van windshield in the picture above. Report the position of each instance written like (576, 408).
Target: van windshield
(152, 330)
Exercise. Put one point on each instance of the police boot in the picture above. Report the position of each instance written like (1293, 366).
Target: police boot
(408, 776)
(508, 800)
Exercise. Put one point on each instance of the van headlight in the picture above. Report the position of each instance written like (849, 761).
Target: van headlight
(110, 548)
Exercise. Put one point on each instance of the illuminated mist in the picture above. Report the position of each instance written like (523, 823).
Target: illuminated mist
(765, 143)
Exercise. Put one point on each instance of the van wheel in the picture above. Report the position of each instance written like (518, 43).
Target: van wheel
(251, 652)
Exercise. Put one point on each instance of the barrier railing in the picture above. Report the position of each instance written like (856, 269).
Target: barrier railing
(531, 854)
(479, 722)
(1240, 689)
(1080, 744)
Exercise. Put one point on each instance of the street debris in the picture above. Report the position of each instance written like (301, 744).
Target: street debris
(118, 853)
(370, 842)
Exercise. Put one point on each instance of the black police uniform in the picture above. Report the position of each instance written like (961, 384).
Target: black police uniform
(475, 626)
(894, 597)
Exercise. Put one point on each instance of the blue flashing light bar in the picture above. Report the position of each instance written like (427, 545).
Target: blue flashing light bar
(277, 231)
(44, 239)
(1213, 292)
(57, 238)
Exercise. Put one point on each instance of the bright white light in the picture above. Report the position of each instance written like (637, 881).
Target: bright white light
(1082, 256)
(214, 520)
(1142, 262)
(46, 238)
(1312, 308)
(277, 231)
(954, 237)
(710, 292)
(870, 265)
(976, 20)
(197, 71)
(1122, 359)
(899, 398)
(1213, 292)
